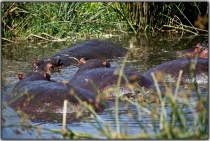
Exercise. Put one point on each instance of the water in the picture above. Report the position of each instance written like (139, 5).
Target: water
(148, 50)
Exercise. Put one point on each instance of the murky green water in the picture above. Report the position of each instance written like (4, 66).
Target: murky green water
(149, 50)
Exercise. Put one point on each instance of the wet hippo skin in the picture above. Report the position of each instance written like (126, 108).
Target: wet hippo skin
(173, 67)
(92, 64)
(91, 49)
(201, 50)
(107, 77)
(49, 94)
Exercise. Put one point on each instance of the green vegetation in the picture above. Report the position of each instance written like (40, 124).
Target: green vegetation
(58, 20)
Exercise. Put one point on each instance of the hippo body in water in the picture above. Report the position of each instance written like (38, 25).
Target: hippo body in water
(105, 78)
(91, 49)
(201, 50)
(92, 64)
(41, 91)
(172, 68)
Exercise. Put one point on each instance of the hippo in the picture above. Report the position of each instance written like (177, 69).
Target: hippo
(40, 94)
(105, 78)
(92, 64)
(91, 49)
(200, 50)
(172, 68)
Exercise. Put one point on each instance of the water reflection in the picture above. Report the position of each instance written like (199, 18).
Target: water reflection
(148, 50)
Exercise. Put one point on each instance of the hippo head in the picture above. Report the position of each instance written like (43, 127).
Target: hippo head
(47, 65)
(35, 76)
(201, 50)
(84, 60)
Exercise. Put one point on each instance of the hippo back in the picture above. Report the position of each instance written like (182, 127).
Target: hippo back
(94, 49)
(105, 78)
(35, 96)
(173, 67)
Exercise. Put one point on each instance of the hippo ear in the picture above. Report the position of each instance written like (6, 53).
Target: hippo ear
(83, 60)
(20, 76)
(107, 64)
(34, 60)
(46, 75)
(34, 63)
(133, 78)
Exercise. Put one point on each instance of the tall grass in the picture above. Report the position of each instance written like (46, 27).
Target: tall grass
(60, 19)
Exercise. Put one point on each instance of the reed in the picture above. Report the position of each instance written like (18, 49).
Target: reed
(21, 20)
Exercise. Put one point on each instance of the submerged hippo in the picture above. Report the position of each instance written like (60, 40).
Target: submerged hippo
(105, 78)
(172, 68)
(91, 49)
(92, 64)
(201, 50)
(40, 94)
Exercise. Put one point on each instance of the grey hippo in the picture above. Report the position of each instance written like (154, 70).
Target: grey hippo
(90, 49)
(105, 78)
(201, 50)
(172, 68)
(36, 93)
